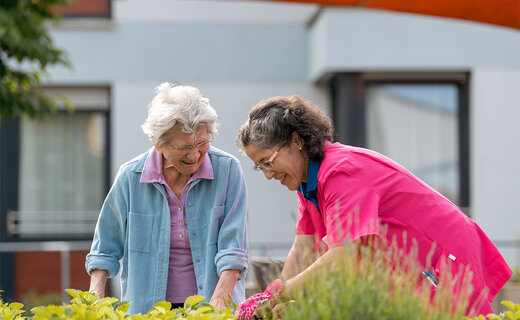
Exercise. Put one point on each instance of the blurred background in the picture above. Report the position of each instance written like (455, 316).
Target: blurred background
(435, 85)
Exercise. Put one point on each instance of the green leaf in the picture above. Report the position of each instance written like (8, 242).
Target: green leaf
(74, 293)
(202, 311)
(163, 304)
(509, 304)
(122, 306)
(15, 306)
(192, 301)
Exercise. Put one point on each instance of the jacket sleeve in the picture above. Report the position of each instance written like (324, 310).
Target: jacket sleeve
(109, 236)
(232, 250)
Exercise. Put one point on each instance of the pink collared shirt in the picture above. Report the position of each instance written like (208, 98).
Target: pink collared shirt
(181, 274)
(359, 190)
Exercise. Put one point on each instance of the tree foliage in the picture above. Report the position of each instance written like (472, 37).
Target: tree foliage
(26, 51)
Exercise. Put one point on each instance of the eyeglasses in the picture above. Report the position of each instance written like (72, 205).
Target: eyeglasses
(267, 165)
(186, 149)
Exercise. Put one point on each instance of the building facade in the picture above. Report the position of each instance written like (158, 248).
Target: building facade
(441, 96)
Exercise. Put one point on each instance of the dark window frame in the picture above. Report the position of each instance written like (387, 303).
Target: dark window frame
(10, 136)
(348, 91)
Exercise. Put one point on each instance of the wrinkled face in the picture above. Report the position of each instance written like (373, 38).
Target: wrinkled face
(289, 166)
(185, 151)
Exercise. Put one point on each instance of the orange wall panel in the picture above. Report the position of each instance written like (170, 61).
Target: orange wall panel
(86, 8)
(499, 12)
(42, 271)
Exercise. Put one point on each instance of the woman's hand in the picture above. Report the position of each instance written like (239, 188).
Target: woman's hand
(218, 302)
(226, 284)
(260, 304)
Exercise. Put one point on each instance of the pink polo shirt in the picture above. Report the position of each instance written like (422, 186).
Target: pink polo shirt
(359, 191)
(182, 282)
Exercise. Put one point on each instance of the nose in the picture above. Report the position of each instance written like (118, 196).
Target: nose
(193, 154)
(269, 174)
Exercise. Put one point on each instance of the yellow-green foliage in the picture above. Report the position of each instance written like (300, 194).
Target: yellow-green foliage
(11, 311)
(512, 314)
(88, 306)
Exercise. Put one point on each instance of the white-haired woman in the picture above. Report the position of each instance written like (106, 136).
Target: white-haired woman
(175, 215)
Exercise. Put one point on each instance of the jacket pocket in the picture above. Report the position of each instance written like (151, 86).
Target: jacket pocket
(140, 232)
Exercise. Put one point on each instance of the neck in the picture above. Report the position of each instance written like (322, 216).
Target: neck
(305, 169)
(173, 176)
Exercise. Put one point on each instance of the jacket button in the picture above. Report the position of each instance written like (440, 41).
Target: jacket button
(200, 287)
(197, 260)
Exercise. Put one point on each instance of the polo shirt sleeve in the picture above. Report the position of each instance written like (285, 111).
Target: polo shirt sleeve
(350, 207)
(304, 224)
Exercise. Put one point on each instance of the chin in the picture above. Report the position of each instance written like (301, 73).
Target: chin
(292, 188)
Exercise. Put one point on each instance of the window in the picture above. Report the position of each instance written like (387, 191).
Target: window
(419, 120)
(62, 172)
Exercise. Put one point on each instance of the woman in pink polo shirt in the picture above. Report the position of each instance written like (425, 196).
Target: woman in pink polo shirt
(289, 139)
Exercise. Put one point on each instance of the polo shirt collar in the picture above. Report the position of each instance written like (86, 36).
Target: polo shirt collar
(312, 178)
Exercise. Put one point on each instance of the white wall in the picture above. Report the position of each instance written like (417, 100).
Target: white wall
(352, 39)
(495, 153)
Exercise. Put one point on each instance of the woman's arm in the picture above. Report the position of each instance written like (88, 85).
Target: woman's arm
(98, 281)
(297, 283)
(226, 284)
(302, 254)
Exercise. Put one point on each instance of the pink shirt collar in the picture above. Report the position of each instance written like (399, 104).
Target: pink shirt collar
(152, 170)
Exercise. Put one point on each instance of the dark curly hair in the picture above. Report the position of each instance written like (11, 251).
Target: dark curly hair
(272, 121)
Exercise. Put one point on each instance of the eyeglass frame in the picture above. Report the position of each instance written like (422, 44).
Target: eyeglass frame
(267, 165)
(188, 148)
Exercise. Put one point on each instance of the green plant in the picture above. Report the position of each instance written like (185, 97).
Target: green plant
(86, 305)
(366, 284)
(33, 298)
(512, 314)
(26, 52)
(10, 311)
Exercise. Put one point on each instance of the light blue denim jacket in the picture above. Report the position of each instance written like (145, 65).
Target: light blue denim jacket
(134, 225)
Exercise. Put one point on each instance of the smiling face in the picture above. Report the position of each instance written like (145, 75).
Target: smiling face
(185, 162)
(289, 166)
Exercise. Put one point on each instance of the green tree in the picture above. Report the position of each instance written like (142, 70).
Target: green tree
(26, 51)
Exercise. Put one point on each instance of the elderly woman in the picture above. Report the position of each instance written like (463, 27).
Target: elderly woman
(175, 215)
(289, 140)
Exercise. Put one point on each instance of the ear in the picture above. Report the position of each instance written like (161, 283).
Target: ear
(297, 140)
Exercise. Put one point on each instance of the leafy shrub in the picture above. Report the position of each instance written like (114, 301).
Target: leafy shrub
(85, 305)
(10, 311)
(366, 285)
(512, 314)
(33, 298)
